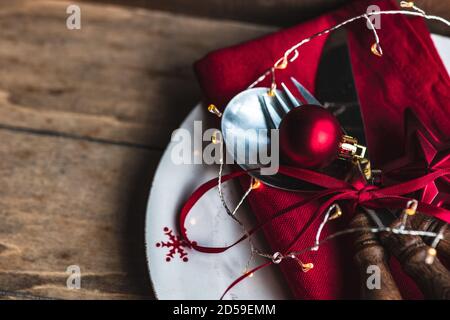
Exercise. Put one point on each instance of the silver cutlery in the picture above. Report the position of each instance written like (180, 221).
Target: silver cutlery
(255, 109)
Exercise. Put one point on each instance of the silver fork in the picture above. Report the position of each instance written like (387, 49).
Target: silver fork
(275, 108)
(255, 109)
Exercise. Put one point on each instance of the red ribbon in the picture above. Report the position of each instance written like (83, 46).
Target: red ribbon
(334, 190)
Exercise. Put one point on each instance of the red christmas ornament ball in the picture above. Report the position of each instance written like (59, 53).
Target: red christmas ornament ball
(309, 137)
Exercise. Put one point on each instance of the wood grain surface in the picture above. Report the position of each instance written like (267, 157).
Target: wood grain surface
(84, 118)
(271, 12)
(126, 76)
(268, 12)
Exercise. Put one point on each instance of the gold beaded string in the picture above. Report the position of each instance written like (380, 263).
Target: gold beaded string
(291, 54)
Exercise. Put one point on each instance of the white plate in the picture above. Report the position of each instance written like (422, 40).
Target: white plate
(203, 276)
(206, 276)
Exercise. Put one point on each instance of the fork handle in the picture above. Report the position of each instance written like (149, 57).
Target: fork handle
(427, 223)
(369, 253)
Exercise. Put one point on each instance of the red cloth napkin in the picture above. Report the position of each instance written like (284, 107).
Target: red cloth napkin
(410, 74)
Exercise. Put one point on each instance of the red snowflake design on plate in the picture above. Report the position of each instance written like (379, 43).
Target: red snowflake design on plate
(176, 245)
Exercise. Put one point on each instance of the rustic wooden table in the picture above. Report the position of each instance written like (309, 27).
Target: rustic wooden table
(84, 118)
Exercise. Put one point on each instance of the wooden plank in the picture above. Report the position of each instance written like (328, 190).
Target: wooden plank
(270, 12)
(267, 12)
(83, 116)
(70, 202)
(125, 76)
